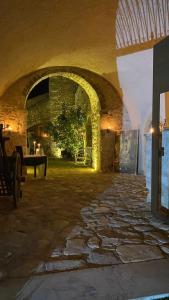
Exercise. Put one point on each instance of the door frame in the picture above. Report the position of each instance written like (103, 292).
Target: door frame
(160, 85)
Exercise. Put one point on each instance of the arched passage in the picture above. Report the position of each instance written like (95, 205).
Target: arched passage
(95, 110)
(107, 109)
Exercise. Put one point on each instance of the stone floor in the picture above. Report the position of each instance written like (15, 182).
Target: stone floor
(76, 220)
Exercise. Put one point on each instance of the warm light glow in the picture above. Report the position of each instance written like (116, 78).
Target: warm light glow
(107, 123)
(95, 111)
(151, 130)
(37, 151)
(13, 126)
(7, 127)
(34, 147)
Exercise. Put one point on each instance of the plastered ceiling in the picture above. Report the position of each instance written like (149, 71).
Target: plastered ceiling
(36, 34)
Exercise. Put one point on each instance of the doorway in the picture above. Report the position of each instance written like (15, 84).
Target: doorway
(91, 104)
(160, 131)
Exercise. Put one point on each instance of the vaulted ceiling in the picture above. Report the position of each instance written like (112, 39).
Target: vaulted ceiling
(42, 33)
(84, 33)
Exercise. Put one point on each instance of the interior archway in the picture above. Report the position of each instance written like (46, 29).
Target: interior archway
(95, 110)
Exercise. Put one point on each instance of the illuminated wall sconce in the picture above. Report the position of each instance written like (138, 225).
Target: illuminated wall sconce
(45, 135)
(7, 128)
(107, 123)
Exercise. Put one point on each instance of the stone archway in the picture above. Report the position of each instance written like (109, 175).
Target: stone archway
(107, 108)
(95, 110)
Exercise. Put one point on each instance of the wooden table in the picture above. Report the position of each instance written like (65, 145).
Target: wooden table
(34, 161)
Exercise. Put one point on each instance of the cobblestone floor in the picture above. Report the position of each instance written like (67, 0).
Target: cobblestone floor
(77, 220)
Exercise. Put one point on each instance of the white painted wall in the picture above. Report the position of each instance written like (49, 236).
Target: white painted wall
(136, 79)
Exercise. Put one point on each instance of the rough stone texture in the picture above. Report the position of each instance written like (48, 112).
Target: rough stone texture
(78, 229)
(38, 111)
(96, 87)
(93, 242)
(142, 228)
(102, 210)
(61, 90)
(102, 259)
(75, 247)
(161, 237)
(57, 252)
(165, 248)
(110, 243)
(136, 253)
(61, 265)
(16, 118)
(45, 108)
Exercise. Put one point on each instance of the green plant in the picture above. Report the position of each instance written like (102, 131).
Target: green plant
(68, 130)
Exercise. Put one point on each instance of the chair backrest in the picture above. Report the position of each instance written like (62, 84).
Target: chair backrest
(20, 151)
(1, 160)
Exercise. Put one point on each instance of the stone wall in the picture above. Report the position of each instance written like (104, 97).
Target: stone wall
(110, 100)
(82, 100)
(95, 86)
(38, 110)
(16, 118)
(61, 91)
(47, 107)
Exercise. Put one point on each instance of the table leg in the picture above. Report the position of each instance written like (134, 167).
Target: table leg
(45, 168)
(34, 171)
